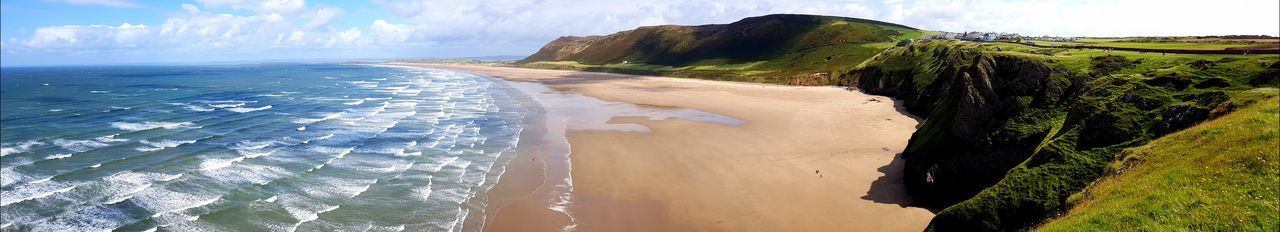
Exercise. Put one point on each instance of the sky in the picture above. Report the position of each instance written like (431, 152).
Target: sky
(94, 32)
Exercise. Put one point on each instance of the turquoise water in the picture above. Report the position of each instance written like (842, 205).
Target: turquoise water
(276, 147)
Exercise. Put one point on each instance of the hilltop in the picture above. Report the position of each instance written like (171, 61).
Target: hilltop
(783, 48)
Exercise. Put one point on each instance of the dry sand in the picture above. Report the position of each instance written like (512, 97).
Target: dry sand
(806, 159)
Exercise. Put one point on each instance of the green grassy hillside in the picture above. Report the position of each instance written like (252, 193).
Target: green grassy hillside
(784, 49)
(1222, 175)
(1012, 131)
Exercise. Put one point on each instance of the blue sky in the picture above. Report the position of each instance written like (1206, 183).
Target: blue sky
(78, 32)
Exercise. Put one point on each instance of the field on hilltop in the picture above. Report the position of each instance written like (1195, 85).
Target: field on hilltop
(783, 49)
(1174, 43)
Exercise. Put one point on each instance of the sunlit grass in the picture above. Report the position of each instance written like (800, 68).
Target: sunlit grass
(1219, 176)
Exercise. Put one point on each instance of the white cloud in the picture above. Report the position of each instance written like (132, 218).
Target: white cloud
(275, 24)
(91, 36)
(107, 3)
(258, 6)
(388, 33)
(1095, 18)
(468, 27)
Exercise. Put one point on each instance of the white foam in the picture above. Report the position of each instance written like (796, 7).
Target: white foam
(34, 190)
(57, 156)
(162, 144)
(356, 102)
(252, 145)
(110, 139)
(228, 105)
(79, 145)
(56, 110)
(247, 173)
(214, 164)
(94, 218)
(8, 176)
(314, 120)
(121, 186)
(435, 165)
(19, 148)
(198, 108)
(246, 110)
(130, 126)
(161, 201)
(303, 209)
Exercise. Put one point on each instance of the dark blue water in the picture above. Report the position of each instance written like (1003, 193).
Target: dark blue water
(253, 147)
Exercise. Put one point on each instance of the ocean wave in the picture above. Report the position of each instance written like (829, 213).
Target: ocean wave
(246, 173)
(356, 102)
(162, 144)
(140, 126)
(198, 108)
(79, 145)
(246, 110)
(214, 164)
(24, 146)
(58, 156)
(161, 201)
(8, 177)
(32, 191)
(252, 145)
(314, 120)
(122, 185)
(110, 139)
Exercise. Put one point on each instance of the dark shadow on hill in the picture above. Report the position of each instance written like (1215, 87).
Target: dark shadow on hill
(889, 189)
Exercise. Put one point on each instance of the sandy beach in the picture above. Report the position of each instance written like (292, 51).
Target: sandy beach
(802, 159)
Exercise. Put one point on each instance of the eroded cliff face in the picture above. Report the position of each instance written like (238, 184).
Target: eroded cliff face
(1006, 139)
(964, 146)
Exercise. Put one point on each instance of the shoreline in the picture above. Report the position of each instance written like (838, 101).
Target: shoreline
(801, 158)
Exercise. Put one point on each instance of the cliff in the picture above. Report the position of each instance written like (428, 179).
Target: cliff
(1009, 137)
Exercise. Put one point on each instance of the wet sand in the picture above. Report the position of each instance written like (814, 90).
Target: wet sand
(803, 159)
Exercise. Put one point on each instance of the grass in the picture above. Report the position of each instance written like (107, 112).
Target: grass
(1221, 175)
(1078, 61)
(1123, 43)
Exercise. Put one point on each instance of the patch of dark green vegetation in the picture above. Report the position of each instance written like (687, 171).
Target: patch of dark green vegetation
(1104, 65)
(1009, 135)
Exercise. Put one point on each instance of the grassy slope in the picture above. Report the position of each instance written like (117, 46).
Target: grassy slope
(1058, 145)
(1221, 175)
(781, 49)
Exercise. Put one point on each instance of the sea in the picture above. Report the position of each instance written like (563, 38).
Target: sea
(262, 147)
